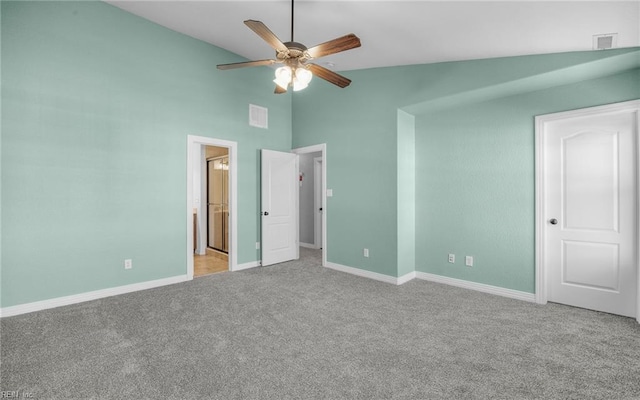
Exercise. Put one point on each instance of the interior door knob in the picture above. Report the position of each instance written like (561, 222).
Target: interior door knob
(553, 221)
(265, 213)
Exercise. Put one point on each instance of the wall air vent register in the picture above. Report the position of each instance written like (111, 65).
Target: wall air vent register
(606, 41)
(258, 116)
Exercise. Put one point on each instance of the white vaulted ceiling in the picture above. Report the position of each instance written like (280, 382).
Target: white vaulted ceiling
(401, 32)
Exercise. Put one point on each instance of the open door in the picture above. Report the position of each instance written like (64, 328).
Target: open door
(279, 207)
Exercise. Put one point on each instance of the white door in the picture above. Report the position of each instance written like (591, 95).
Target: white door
(279, 207)
(590, 212)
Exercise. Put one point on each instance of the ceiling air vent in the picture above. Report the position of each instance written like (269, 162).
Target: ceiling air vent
(258, 116)
(606, 41)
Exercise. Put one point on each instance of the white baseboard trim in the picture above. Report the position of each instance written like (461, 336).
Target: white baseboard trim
(308, 245)
(371, 275)
(406, 278)
(480, 287)
(248, 265)
(88, 296)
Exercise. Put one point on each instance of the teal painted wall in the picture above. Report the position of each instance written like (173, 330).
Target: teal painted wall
(0, 158)
(361, 128)
(476, 177)
(97, 106)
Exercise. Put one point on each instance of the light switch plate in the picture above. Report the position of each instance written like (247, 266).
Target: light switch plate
(329, 192)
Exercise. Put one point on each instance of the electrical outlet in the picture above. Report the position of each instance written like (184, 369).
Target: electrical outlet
(128, 264)
(257, 245)
(365, 253)
(452, 258)
(468, 261)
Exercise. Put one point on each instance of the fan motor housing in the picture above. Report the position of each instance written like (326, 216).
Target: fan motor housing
(295, 49)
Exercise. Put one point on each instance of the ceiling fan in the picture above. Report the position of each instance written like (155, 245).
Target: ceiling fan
(298, 70)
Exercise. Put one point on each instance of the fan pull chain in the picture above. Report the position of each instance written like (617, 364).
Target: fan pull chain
(292, 20)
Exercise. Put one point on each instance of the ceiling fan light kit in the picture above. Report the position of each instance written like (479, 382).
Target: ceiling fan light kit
(297, 70)
(298, 77)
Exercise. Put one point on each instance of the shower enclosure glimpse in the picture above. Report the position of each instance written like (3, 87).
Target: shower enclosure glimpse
(217, 203)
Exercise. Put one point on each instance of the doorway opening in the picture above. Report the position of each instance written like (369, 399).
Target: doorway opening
(312, 204)
(214, 257)
(211, 206)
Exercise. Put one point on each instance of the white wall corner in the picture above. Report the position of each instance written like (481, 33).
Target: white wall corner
(480, 287)
(406, 196)
(406, 278)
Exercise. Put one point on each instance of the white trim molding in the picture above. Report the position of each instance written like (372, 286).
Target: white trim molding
(480, 287)
(194, 144)
(405, 278)
(248, 265)
(371, 275)
(88, 296)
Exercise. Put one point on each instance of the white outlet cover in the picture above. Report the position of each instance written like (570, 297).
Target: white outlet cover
(468, 260)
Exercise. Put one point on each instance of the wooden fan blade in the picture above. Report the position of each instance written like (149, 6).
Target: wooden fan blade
(246, 64)
(328, 75)
(279, 90)
(266, 34)
(343, 43)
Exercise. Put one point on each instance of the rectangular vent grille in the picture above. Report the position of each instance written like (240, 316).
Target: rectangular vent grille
(606, 41)
(258, 116)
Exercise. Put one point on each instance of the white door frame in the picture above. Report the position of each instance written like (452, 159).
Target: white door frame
(317, 195)
(323, 149)
(194, 146)
(541, 121)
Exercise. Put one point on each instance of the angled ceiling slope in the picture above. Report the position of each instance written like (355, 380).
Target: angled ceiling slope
(403, 32)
